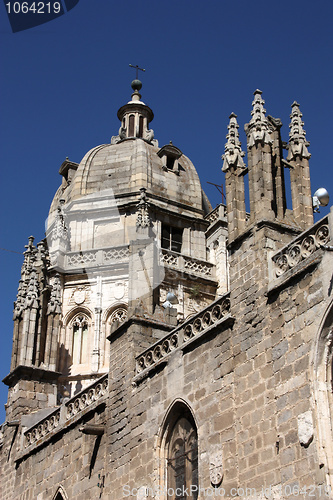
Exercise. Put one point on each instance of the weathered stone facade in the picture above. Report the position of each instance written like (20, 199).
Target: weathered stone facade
(160, 344)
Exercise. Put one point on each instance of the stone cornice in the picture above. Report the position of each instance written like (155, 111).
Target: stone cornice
(30, 373)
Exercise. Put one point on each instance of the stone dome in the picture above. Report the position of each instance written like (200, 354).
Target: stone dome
(129, 165)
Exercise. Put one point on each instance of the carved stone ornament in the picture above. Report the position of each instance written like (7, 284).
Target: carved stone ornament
(143, 218)
(305, 428)
(79, 295)
(119, 290)
(216, 468)
(54, 305)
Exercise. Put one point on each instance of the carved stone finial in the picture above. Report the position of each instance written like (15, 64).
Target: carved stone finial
(297, 141)
(143, 218)
(31, 300)
(233, 154)
(60, 228)
(258, 127)
(54, 305)
(30, 255)
(20, 300)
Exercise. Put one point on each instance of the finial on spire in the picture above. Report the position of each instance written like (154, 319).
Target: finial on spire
(136, 84)
(297, 141)
(233, 155)
(258, 128)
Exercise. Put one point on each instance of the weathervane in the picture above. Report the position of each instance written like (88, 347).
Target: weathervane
(137, 70)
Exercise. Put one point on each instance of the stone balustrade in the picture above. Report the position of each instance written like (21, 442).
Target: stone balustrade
(92, 258)
(301, 248)
(71, 408)
(187, 264)
(219, 212)
(198, 324)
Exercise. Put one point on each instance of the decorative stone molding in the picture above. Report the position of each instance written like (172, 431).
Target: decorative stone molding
(187, 264)
(56, 420)
(301, 248)
(184, 333)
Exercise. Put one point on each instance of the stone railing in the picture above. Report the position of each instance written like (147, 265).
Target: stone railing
(66, 411)
(194, 326)
(96, 257)
(301, 248)
(218, 213)
(187, 264)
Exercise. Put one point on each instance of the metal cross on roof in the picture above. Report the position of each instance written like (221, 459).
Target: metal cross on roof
(137, 70)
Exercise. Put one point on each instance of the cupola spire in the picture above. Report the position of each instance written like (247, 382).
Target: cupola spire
(135, 116)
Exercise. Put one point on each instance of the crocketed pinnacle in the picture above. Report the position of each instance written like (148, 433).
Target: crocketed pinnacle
(233, 154)
(297, 141)
(258, 129)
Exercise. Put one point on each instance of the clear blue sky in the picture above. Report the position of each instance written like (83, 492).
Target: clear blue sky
(63, 82)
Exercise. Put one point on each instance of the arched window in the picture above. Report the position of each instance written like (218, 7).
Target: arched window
(323, 392)
(119, 314)
(80, 326)
(179, 454)
(183, 461)
(131, 126)
(140, 126)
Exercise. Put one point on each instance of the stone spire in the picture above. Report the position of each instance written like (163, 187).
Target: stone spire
(258, 127)
(260, 162)
(297, 141)
(298, 157)
(233, 154)
(234, 168)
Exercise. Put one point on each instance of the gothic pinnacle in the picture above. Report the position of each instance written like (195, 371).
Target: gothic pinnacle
(258, 129)
(233, 154)
(297, 141)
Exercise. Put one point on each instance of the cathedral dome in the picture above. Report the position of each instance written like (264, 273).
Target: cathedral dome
(130, 165)
(133, 160)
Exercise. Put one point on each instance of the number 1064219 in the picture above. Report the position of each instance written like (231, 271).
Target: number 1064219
(33, 8)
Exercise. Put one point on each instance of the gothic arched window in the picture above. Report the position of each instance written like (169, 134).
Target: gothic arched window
(119, 314)
(183, 461)
(179, 454)
(80, 327)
